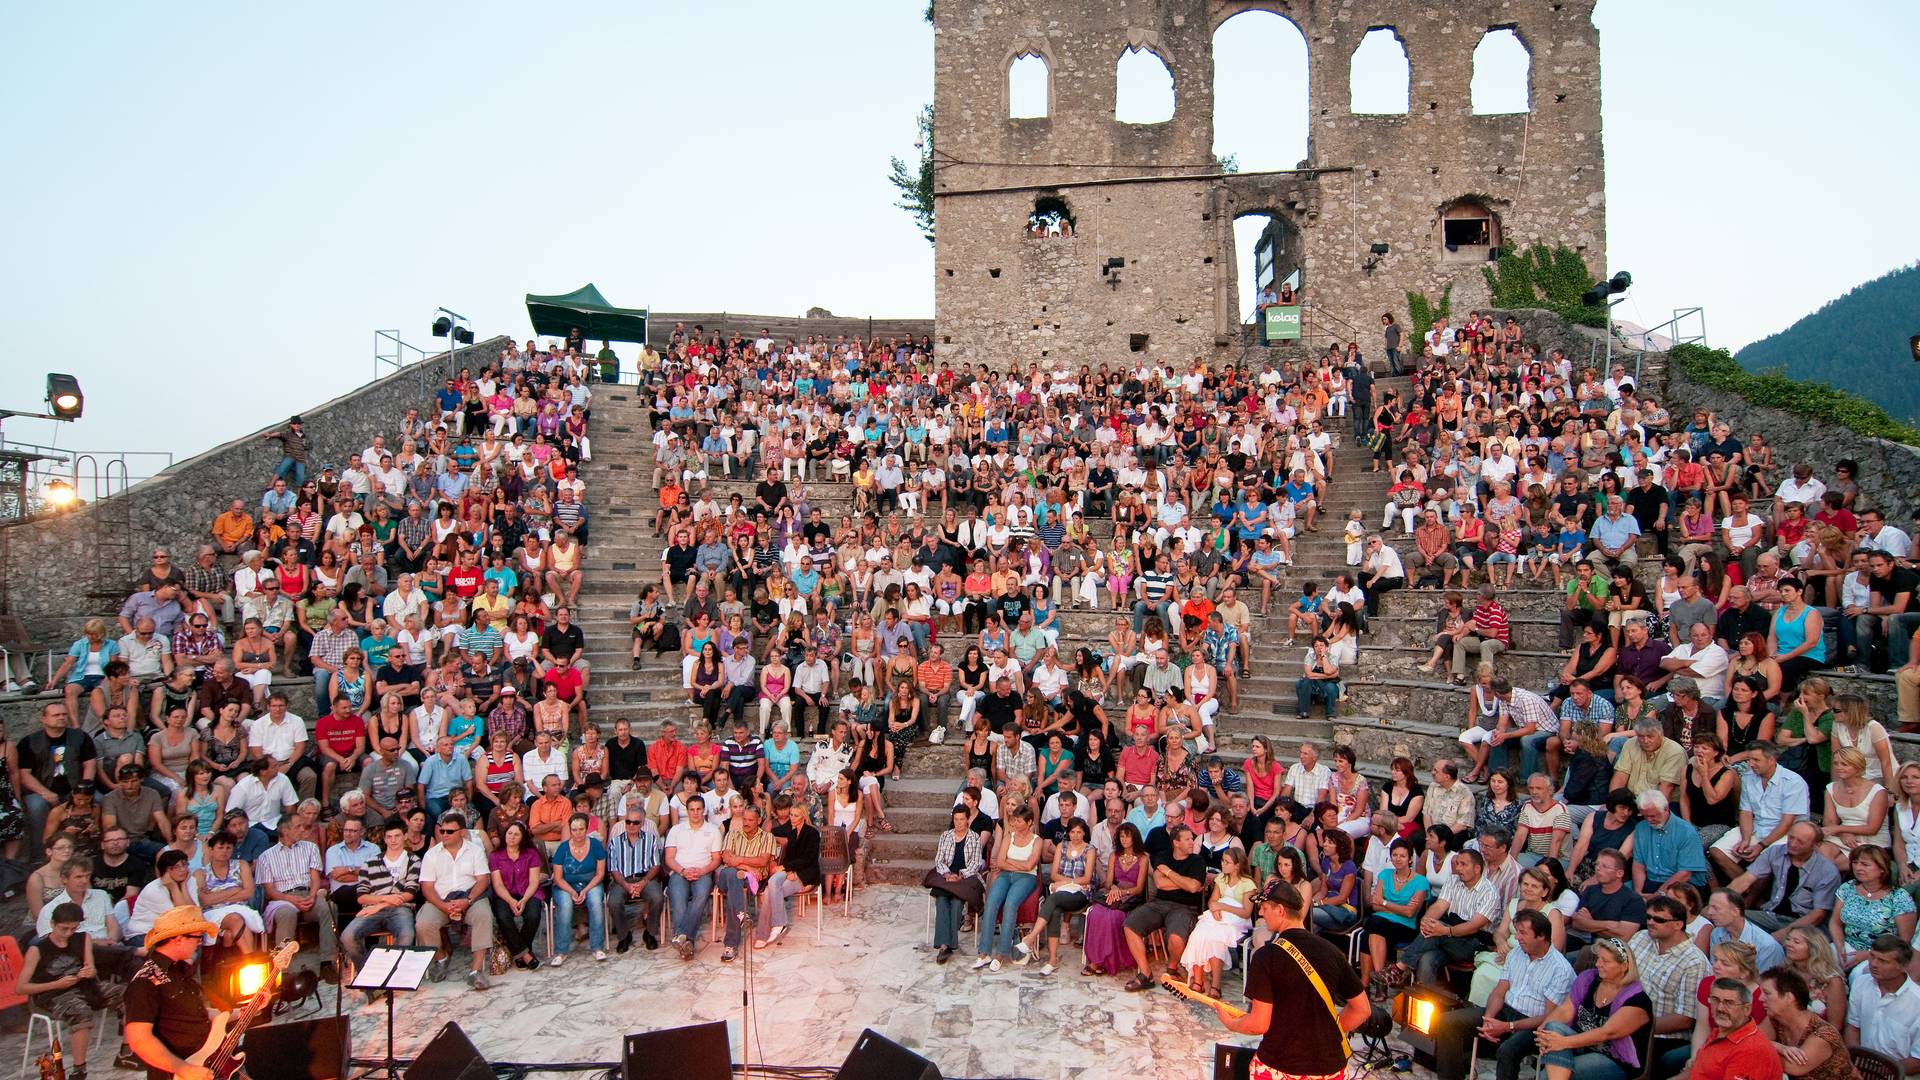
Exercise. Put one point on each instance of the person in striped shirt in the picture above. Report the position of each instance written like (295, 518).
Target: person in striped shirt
(1490, 635)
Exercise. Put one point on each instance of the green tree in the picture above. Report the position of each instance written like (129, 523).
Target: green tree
(1422, 313)
(1540, 277)
(915, 179)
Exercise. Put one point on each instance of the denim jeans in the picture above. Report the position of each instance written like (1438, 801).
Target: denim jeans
(1004, 897)
(293, 472)
(563, 904)
(948, 913)
(687, 904)
(396, 920)
(322, 679)
(1586, 1064)
(733, 887)
(1307, 691)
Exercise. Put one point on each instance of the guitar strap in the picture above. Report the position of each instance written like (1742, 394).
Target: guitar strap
(1326, 998)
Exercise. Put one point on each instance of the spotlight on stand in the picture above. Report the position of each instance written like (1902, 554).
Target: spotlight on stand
(442, 326)
(462, 336)
(1418, 1010)
(452, 324)
(64, 397)
(1375, 252)
(246, 979)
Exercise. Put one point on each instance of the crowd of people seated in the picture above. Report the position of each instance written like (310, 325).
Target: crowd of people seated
(427, 594)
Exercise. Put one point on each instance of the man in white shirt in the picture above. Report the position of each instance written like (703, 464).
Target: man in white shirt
(265, 796)
(454, 881)
(693, 853)
(1800, 489)
(544, 760)
(1877, 535)
(1883, 1004)
(1703, 660)
(1063, 806)
(812, 686)
(403, 601)
(1306, 780)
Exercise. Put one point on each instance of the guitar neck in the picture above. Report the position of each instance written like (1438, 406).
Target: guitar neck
(1191, 994)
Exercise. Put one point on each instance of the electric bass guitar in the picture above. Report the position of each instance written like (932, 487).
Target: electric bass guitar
(1191, 994)
(220, 1054)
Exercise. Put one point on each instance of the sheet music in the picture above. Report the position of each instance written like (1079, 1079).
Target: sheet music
(411, 969)
(373, 974)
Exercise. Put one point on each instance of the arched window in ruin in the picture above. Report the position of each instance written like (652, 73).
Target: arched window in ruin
(1260, 92)
(1469, 231)
(1142, 88)
(1502, 71)
(1379, 75)
(1051, 217)
(1028, 87)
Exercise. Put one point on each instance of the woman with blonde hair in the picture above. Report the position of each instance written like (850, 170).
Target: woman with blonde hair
(1854, 726)
(1906, 829)
(1600, 1021)
(1810, 955)
(1856, 812)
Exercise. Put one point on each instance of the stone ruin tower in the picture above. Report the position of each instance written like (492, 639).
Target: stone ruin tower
(1077, 237)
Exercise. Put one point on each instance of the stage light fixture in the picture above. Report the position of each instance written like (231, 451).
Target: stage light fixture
(442, 326)
(64, 397)
(462, 336)
(1378, 249)
(245, 980)
(59, 495)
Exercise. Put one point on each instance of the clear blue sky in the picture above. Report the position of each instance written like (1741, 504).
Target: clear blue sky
(213, 206)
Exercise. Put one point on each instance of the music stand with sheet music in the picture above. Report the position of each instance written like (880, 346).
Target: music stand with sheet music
(391, 969)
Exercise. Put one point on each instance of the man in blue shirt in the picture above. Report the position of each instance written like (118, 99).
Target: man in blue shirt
(1614, 534)
(1665, 847)
(439, 775)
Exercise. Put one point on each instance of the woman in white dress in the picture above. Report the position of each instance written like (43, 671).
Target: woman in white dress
(1856, 811)
(1228, 918)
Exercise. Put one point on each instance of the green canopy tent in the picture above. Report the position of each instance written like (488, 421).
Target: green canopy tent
(555, 316)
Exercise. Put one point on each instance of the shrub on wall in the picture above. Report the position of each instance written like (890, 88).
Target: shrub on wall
(1771, 389)
(1540, 277)
(1421, 314)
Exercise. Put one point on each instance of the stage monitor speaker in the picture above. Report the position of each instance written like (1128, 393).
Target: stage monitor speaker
(450, 1056)
(876, 1057)
(1231, 1062)
(298, 1050)
(694, 1052)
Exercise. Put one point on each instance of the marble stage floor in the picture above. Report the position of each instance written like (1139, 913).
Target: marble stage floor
(812, 1002)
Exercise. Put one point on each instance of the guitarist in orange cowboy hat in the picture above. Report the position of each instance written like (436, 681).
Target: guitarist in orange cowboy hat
(167, 1015)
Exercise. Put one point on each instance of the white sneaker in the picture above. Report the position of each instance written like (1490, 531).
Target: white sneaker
(557, 959)
(1020, 947)
(995, 965)
(981, 964)
(599, 954)
(1048, 969)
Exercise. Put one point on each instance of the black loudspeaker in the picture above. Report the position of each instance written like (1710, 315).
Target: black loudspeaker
(300, 1050)
(876, 1057)
(694, 1052)
(1231, 1062)
(450, 1056)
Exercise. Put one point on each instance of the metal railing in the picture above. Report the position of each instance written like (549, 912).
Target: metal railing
(94, 474)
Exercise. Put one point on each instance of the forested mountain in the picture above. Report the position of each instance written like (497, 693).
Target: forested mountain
(1857, 342)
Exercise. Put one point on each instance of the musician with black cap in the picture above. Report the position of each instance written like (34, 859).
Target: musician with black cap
(1298, 966)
